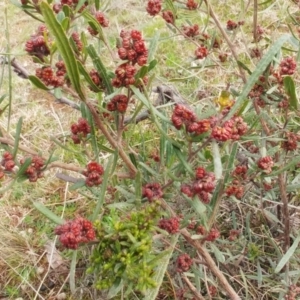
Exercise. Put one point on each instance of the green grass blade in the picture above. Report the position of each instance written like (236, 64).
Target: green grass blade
(153, 46)
(64, 47)
(100, 68)
(87, 77)
(286, 257)
(162, 266)
(10, 89)
(73, 272)
(261, 67)
(48, 213)
(289, 86)
(17, 137)
(38, 83)
(107, 173)
(218, 169)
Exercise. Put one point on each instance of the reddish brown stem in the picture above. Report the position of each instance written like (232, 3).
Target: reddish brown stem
(224, 34)
(115, 144)
(56, 164)
(211, 265)
(197, 295)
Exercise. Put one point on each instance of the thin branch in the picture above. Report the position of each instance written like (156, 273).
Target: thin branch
(111, 140)
(22, 72)
(211, 265)
(255, 20)
(224, 34)
(56, 164)
(197, 295)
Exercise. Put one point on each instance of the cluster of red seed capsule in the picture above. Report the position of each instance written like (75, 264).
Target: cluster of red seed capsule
(291, 142)
(236, 187)
(183, 263)
(171, 225)
(34, 171)
(74, 232)
(77, 41)
(191, 31)
(184, 117)
(118, 103)
(57, 7)
(287, 67)
(132, 48)
(266, 163)
(232, 129)
(152, 191)
(80, 130)
(51, 78)
(154, 6)
(231, 25)
(7, 163)
(37, 45)
(210, 236)
(202, 186)
(101, 19)
(93, 174)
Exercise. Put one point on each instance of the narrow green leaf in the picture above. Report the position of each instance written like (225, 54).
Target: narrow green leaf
(17, 137)
(38, 83)
(218, 254)
(288, 166)
(161, 269)
(290, 89)
(73, 272)
(24, 167)
(94, 24)
(286, 257)
(217, 160)
(65, 24)
(79, 5)
(64, 47)
(100, 68)
(182, 159)
(60, 16)
(67, 10)
(87, 77)
(48, 213)
(261, 67)
(230, 163)
(107, 173)
(243, 66)
(79, 184)
(145, 101)
(153, 46)
(148, 169)
(259, 275)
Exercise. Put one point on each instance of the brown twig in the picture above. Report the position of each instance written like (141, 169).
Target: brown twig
(224, 34)
(22, 72)
(192, 287)
(57, 164)
(111, 140)
(211, 264)
(206, 256)
(285, 210)
(255, 20)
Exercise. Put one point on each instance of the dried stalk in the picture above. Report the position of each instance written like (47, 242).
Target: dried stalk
(111, 140)
(285, 211)
(56, 164)
(197, 295)
(224, 34)
(211, 265)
